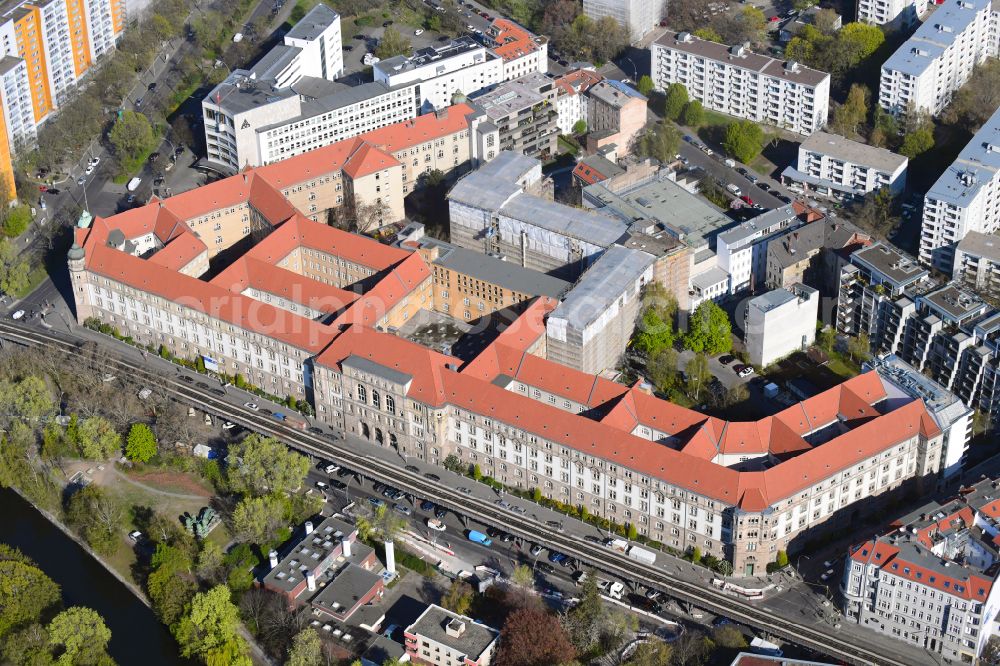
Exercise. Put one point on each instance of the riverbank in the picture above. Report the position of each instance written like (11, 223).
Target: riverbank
(86, 580)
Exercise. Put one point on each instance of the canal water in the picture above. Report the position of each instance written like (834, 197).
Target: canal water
(137, 637)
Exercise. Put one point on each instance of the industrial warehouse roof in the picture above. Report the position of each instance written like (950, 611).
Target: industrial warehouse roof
(593, 227)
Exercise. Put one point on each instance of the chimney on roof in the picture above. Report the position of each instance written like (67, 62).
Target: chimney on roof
(309, 527)
(311, 581)
(273, 558)
(441, 113)
(454, 627)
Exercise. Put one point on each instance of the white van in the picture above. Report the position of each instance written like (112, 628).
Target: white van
(734, 189)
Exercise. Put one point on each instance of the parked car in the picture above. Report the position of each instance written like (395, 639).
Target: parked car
(331, 468)
(436, 525)
(727, 359)
(535, 550)
(746, 199)
(251, 405)
(376, 501)
(743, 370)
(545, 567)
(427, 505)
(418, 32)
(402, 509)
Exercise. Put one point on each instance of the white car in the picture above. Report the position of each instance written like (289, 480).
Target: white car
(228, 425)
(827, 576)
(135, 536)
(331, 468)
(470, 28)
(89, 170)
(322, 485)
(95, 161)
(251, 405)
(436, 525)
(746, 371)
(17, 315)
(418, 32)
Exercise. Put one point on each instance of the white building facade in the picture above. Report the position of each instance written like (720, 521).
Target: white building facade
(780, 322)
(636, 16)
(835, 166)
(882, 12)
(738, 82)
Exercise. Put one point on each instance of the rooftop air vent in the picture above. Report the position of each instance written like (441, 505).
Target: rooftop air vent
(792, 67)
(685, 38)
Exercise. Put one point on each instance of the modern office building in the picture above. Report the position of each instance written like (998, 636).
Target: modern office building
(780, 322)
(524, 110)
(833, 166)
(440, 637)
(736, 81)
(931, 580)
(891, 12)
(966, 197)
(638, 17)
(300, 308)
(977, 263)
(932, 64)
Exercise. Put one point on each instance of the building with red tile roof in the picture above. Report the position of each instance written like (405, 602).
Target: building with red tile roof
(931, 581)
(520, 50)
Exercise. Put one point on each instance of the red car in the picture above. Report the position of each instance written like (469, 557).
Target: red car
(774, 19)
(43, 188)
(746, 199)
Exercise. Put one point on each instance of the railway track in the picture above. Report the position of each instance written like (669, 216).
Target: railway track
(823, 639)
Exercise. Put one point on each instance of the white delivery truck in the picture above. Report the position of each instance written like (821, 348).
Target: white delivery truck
(642, 555)
(133, 184)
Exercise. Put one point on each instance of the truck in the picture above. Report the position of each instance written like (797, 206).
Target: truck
(479, 538)
(621, 545)
(133, 184)
(642, 555)
(761, 646)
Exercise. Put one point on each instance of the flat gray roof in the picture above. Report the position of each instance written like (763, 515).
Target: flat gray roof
(892, 264)
(514, 95)
(590, 226)
(772, 299)
(765, 223)
(743, 58)
(8, 63)
(497, 271)
(237, 93)
(346, 589)
(369, 366)
(483, 191)
(842, 148)
(314, 23)
(509, 166)
(274, 61)
(710, 278)
(953, 303)
(981, 245)
(974, 167)
(474, 639)
(601, 285)
(427, 55)
(307, 555)
(934, 36)
(614, 93)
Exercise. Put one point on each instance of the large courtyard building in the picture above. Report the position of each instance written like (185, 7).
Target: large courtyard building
(930, 66)
(236, 274)
(736, 81)
(965, 198)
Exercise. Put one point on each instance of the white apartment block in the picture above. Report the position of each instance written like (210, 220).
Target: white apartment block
(835, 166)
(521, 51)
(15, 101)
(318, 38)
(977, 262)
(780, 322)
(929, 67)
(741, 83)
(101, 26)
(636, 16)
(882, 12)
(462, 66)
(965, 198)
(58, 49)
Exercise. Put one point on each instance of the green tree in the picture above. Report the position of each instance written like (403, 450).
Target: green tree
(98, 516)
(131, 135)
(708, 34)
(170, 585)
(698, 376)
(651, 653)
(662, 370)
(392, 44)
(98, 439)
(458, 598)
(729, 637)
(782, 559)
(802, 5)
(977, 100)
(26, 593)
(633, 533)
(826, 339)
(261, 465)
(694, 114)
(645, 85)
(79, 636)
(14, 269)
(744, 140)
(859, 348)
(453, 463)
(209, 629)
(861, 40)
(16, 221)
(918, 141)
(852, 112)
(800, 49)
(28, 647)
(874, 213)
(140, 445)
(306, 650)
(676, 98)
(477, 473)
(257, 520)
(696, 554)
(709, 330)
(580, 127)
(29, 400)
(659, 142)
(653, 335)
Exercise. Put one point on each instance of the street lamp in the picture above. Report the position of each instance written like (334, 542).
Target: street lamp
(635, 70)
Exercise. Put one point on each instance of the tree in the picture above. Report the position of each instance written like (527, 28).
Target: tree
(826, 339)
(709, 35)
(458, 598)
(256, 520)
(140, 445)
(698, 375)
(662, 370)
(874, 213)
(651, 653)
(609, 39)
(580, 127)
(583, 621)
(744, 140)
(260, 465)
(532, 636)
(392, 44)
(25, 594)
(825, 20)
(659, 142)
(79, 636)
(307, 650)
(852, 112)
(14, 269)
(802, 5)
(694, 114)
(170, 588)
(633, 532)
(210, 629)
(861, 40)
(653, 335)
(728, 636)
(645, 85)
(16, 221)
(918, 141)
(28, 647)
(98, 439)
(131, 135)
(696, 554)
(28, 400)
(676, 98)
(709, 330)
(98, 516)
(977, 100)
(860, 347)
(782, 559)
(523, 577)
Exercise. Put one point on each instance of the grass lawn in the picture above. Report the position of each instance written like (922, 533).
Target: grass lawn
(567, 146)
(36, 276)
(716, 119)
